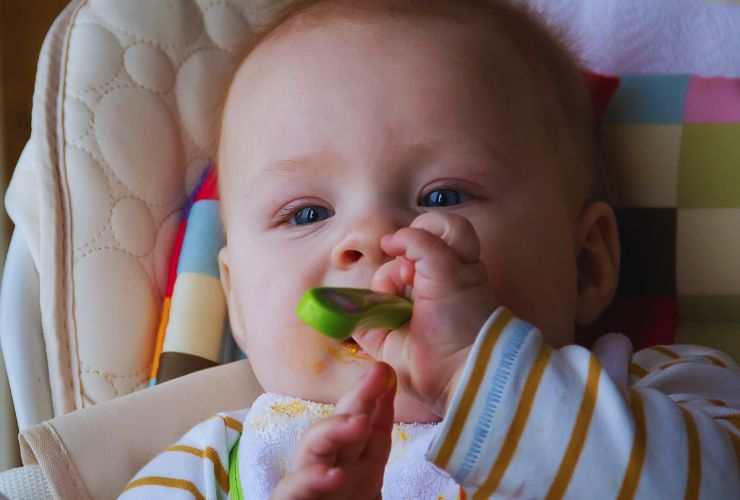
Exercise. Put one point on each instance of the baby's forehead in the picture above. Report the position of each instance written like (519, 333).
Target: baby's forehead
(496, 58)
(507, 47)
(425, 52)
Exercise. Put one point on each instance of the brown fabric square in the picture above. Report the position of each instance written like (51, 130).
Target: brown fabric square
(648, 241)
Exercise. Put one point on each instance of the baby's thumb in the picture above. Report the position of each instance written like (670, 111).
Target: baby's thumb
(371, 341)
(384, 345)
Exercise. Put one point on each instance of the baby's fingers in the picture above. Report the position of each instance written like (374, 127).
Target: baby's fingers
(379, 443)
(309, 483)
(455, 230)
(437, 268)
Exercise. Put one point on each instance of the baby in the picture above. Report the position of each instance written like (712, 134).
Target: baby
(442, 150)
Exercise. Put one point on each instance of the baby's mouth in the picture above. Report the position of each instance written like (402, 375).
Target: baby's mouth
(347, 351)
(351, 346)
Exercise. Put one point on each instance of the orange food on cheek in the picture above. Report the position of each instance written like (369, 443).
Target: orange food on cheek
(344, 352)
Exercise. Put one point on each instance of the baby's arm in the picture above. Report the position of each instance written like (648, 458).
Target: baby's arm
(344, 456)
(528, 421)
(532, 422)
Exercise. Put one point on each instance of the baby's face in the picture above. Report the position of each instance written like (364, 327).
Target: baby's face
(334, 137)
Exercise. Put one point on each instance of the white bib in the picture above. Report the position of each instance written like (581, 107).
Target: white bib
(272, 430)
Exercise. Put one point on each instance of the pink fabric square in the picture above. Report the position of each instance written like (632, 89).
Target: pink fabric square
(712, 100)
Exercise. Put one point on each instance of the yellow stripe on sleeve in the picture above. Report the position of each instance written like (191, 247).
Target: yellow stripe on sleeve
(519, 422)
(664, 351)
(734, 419)
(718, 402)
(712, 359)
(715, 360)
(736, 445)
(232, 423)
(578, 435)
(694, 466)
(637, 370)
(674, 363)
(637, 457)
(211, 454)
(471, 390)
(167, 482)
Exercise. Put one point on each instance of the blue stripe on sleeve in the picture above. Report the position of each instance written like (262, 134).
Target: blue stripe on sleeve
(485, 408)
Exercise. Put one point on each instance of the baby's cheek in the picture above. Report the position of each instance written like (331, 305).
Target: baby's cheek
(294, 349)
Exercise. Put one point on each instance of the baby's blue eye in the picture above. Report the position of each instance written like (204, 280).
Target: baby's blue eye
(442, 198)
(309, 215)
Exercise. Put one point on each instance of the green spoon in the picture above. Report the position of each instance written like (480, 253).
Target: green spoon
(337, 312)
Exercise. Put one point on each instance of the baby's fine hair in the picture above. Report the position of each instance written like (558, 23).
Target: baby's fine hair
(545, 53)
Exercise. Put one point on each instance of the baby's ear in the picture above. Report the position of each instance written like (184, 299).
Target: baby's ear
(235, 318)
(598, 261)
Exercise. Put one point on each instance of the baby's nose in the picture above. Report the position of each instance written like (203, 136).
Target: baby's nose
(351, 256)
(362, 246)
(347, 255)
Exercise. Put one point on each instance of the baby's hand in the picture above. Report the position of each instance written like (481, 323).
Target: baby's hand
(438, 257)
(344, 456)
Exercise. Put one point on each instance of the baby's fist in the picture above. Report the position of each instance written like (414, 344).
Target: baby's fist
(437, 259)
(438, 255)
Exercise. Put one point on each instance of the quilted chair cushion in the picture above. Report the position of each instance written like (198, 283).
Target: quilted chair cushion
(126, 99)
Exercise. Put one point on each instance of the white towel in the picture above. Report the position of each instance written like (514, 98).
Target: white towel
(651, 36)
(275, 423)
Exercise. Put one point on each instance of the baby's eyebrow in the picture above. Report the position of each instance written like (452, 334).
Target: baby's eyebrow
(326, 162)
(312, 163)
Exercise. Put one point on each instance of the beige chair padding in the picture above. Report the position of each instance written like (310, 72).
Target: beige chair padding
(93, 453)
(127, 97)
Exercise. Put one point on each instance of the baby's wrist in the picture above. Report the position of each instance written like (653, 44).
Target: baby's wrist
(462, 359)
(444, 402)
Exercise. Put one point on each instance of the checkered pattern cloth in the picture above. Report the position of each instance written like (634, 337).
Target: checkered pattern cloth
(672, 144)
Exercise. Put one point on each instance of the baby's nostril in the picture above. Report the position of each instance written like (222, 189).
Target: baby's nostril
(353, 255)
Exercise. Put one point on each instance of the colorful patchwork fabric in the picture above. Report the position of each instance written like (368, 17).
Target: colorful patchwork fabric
(191, 329)
(673, 147)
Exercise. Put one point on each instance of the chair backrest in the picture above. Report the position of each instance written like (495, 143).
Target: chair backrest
(126, 99)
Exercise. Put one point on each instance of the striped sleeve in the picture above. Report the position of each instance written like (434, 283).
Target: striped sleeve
(196, 467)
(527, 421)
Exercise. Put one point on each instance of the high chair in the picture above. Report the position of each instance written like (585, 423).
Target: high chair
(125, 105)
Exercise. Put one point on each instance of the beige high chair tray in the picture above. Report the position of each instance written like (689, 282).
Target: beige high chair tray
(125, 103)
